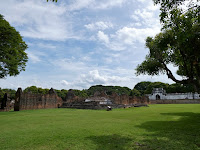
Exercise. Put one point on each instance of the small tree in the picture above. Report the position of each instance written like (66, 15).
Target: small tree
(12, 50)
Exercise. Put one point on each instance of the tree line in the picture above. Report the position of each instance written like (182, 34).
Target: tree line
(140, 89)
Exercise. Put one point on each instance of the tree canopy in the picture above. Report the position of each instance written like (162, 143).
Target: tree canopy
(142, 86)
(146, 87)
(12, 50)
(178, 44)
(168, 7)
(11, 93)
(108, 89)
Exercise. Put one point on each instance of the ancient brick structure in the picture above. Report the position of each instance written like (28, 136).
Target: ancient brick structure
(71, 97)
(7, 104)
(101, 100)
(24, 101)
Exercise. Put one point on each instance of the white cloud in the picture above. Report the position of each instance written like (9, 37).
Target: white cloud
(34, 58)
(142, 1)
(64, 82)
(131, 35)
(104, 4)
(135, 17)
(126, 37)
(93, 77)
(71, 65)
(46, 46)
(99, 25)
(39, 20)
(94, 4)
(79, 4)
(103, 37)
(147, 16)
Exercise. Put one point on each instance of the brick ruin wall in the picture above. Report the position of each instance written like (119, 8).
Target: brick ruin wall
(25, 101)
(114, 97)
(128, 100)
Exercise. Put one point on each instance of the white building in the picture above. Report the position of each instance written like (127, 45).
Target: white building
(160, 94)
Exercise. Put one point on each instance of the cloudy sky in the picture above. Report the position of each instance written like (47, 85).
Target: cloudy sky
(79, 43)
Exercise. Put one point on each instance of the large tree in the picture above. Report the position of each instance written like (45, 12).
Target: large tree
(12, 50)
(178, 44)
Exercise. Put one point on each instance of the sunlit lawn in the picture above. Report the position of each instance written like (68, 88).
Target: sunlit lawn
(158, 127)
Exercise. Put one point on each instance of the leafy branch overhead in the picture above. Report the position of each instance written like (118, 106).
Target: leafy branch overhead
(178, 44)
(167, 7)
(13, 57)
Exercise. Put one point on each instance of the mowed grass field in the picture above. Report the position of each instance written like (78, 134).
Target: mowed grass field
(157, 127)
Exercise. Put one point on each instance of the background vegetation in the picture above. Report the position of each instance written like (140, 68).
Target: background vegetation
(140, 89)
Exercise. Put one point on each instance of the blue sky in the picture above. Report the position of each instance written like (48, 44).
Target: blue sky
(80, 43)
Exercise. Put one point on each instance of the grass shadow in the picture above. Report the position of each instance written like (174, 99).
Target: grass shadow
(110, 142)
(182, 133)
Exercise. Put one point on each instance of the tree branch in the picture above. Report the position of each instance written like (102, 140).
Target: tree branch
(171, 76)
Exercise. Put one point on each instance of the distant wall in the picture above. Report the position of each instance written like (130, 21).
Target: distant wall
(24, 101)
(174, 101)
(173, 96)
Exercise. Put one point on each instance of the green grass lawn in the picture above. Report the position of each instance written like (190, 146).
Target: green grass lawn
(158, 127)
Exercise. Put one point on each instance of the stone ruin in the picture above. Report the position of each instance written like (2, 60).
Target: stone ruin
(25, 101)
(100, 100)
(7, 103)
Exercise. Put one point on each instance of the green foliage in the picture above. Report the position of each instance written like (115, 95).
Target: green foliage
(146, 87)
(135, 92)
(41, 91)
(80, 93)
(33, 89)
(142, 86)
(168, 7)
(62, 93)
(12, 50)
(109, 89)
(180, 88)
(11, 93)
